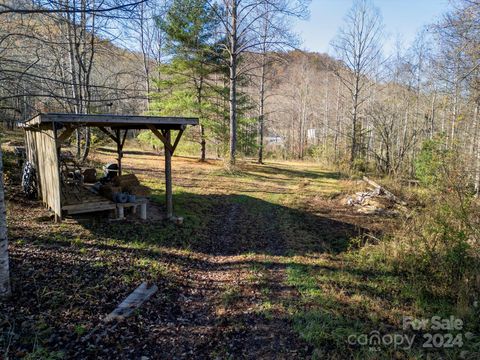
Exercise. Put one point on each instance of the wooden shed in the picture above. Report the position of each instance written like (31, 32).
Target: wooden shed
(45, 134)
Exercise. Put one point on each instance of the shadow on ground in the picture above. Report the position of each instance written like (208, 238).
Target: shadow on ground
(237, 224)
(269, 170)
(215, 273)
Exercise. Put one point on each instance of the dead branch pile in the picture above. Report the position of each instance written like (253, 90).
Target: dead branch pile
(376, 201)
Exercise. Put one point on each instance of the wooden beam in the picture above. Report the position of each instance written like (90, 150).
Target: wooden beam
(161, 137)
(168, 176)
(65, 135)
(177, 140)
(108, 119)
(110, 135)
(119, 151)
(124, 137)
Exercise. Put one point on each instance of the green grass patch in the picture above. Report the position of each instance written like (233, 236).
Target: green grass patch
(230, 296)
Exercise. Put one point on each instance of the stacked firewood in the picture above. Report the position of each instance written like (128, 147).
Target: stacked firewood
(126, 184)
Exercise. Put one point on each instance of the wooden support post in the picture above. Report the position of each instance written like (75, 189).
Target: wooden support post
(120, 212)
(143, 211)
(166, 138)
(58, 147)
(119, 152)
(168, 174)
(120, 143)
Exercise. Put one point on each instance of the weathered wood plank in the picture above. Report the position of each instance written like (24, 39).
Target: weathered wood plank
(132, 302)
(387, 193)
(41, 146)
(88, 207)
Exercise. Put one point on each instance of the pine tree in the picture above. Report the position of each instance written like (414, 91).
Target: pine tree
(188, 88)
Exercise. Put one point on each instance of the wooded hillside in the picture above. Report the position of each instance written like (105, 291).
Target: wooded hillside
(426, 92)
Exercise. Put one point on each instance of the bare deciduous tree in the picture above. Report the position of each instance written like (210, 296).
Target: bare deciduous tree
(274, 36)
(28, 77)
(359, 44)
(241, 23)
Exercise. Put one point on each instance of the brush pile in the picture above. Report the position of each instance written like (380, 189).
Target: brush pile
(376, 201)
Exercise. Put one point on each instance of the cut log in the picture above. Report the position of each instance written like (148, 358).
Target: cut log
(109, 191)
(139, 190)
(125, 180)
(132, 302)
(384, 191)
(90, 175)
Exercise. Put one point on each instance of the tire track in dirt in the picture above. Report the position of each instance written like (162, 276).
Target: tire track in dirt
(221, 302)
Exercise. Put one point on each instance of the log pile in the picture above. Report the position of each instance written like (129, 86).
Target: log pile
(139, 190)
(125, 180)
(382, 191)
(109, 191)
(127, 184)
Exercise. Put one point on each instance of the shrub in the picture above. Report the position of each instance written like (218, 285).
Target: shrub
(431, 160)
(438, 248)
(361, 165)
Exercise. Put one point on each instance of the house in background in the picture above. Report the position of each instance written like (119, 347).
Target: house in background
(274, 140)
(311, 136)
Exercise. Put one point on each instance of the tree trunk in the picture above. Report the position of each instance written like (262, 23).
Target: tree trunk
(477, 170)
(355, 105)
(325, 117)
(233, 113)
(454, 117)
(233, 85)
(4, 266)
(301, 133)
(86, 149)
(432, 119)
(203, 144)
(71, 58)
(337, 124)
(146, 59)
(261, 117)
(87, 74)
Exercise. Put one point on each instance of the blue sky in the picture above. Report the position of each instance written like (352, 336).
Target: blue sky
(404, 17)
